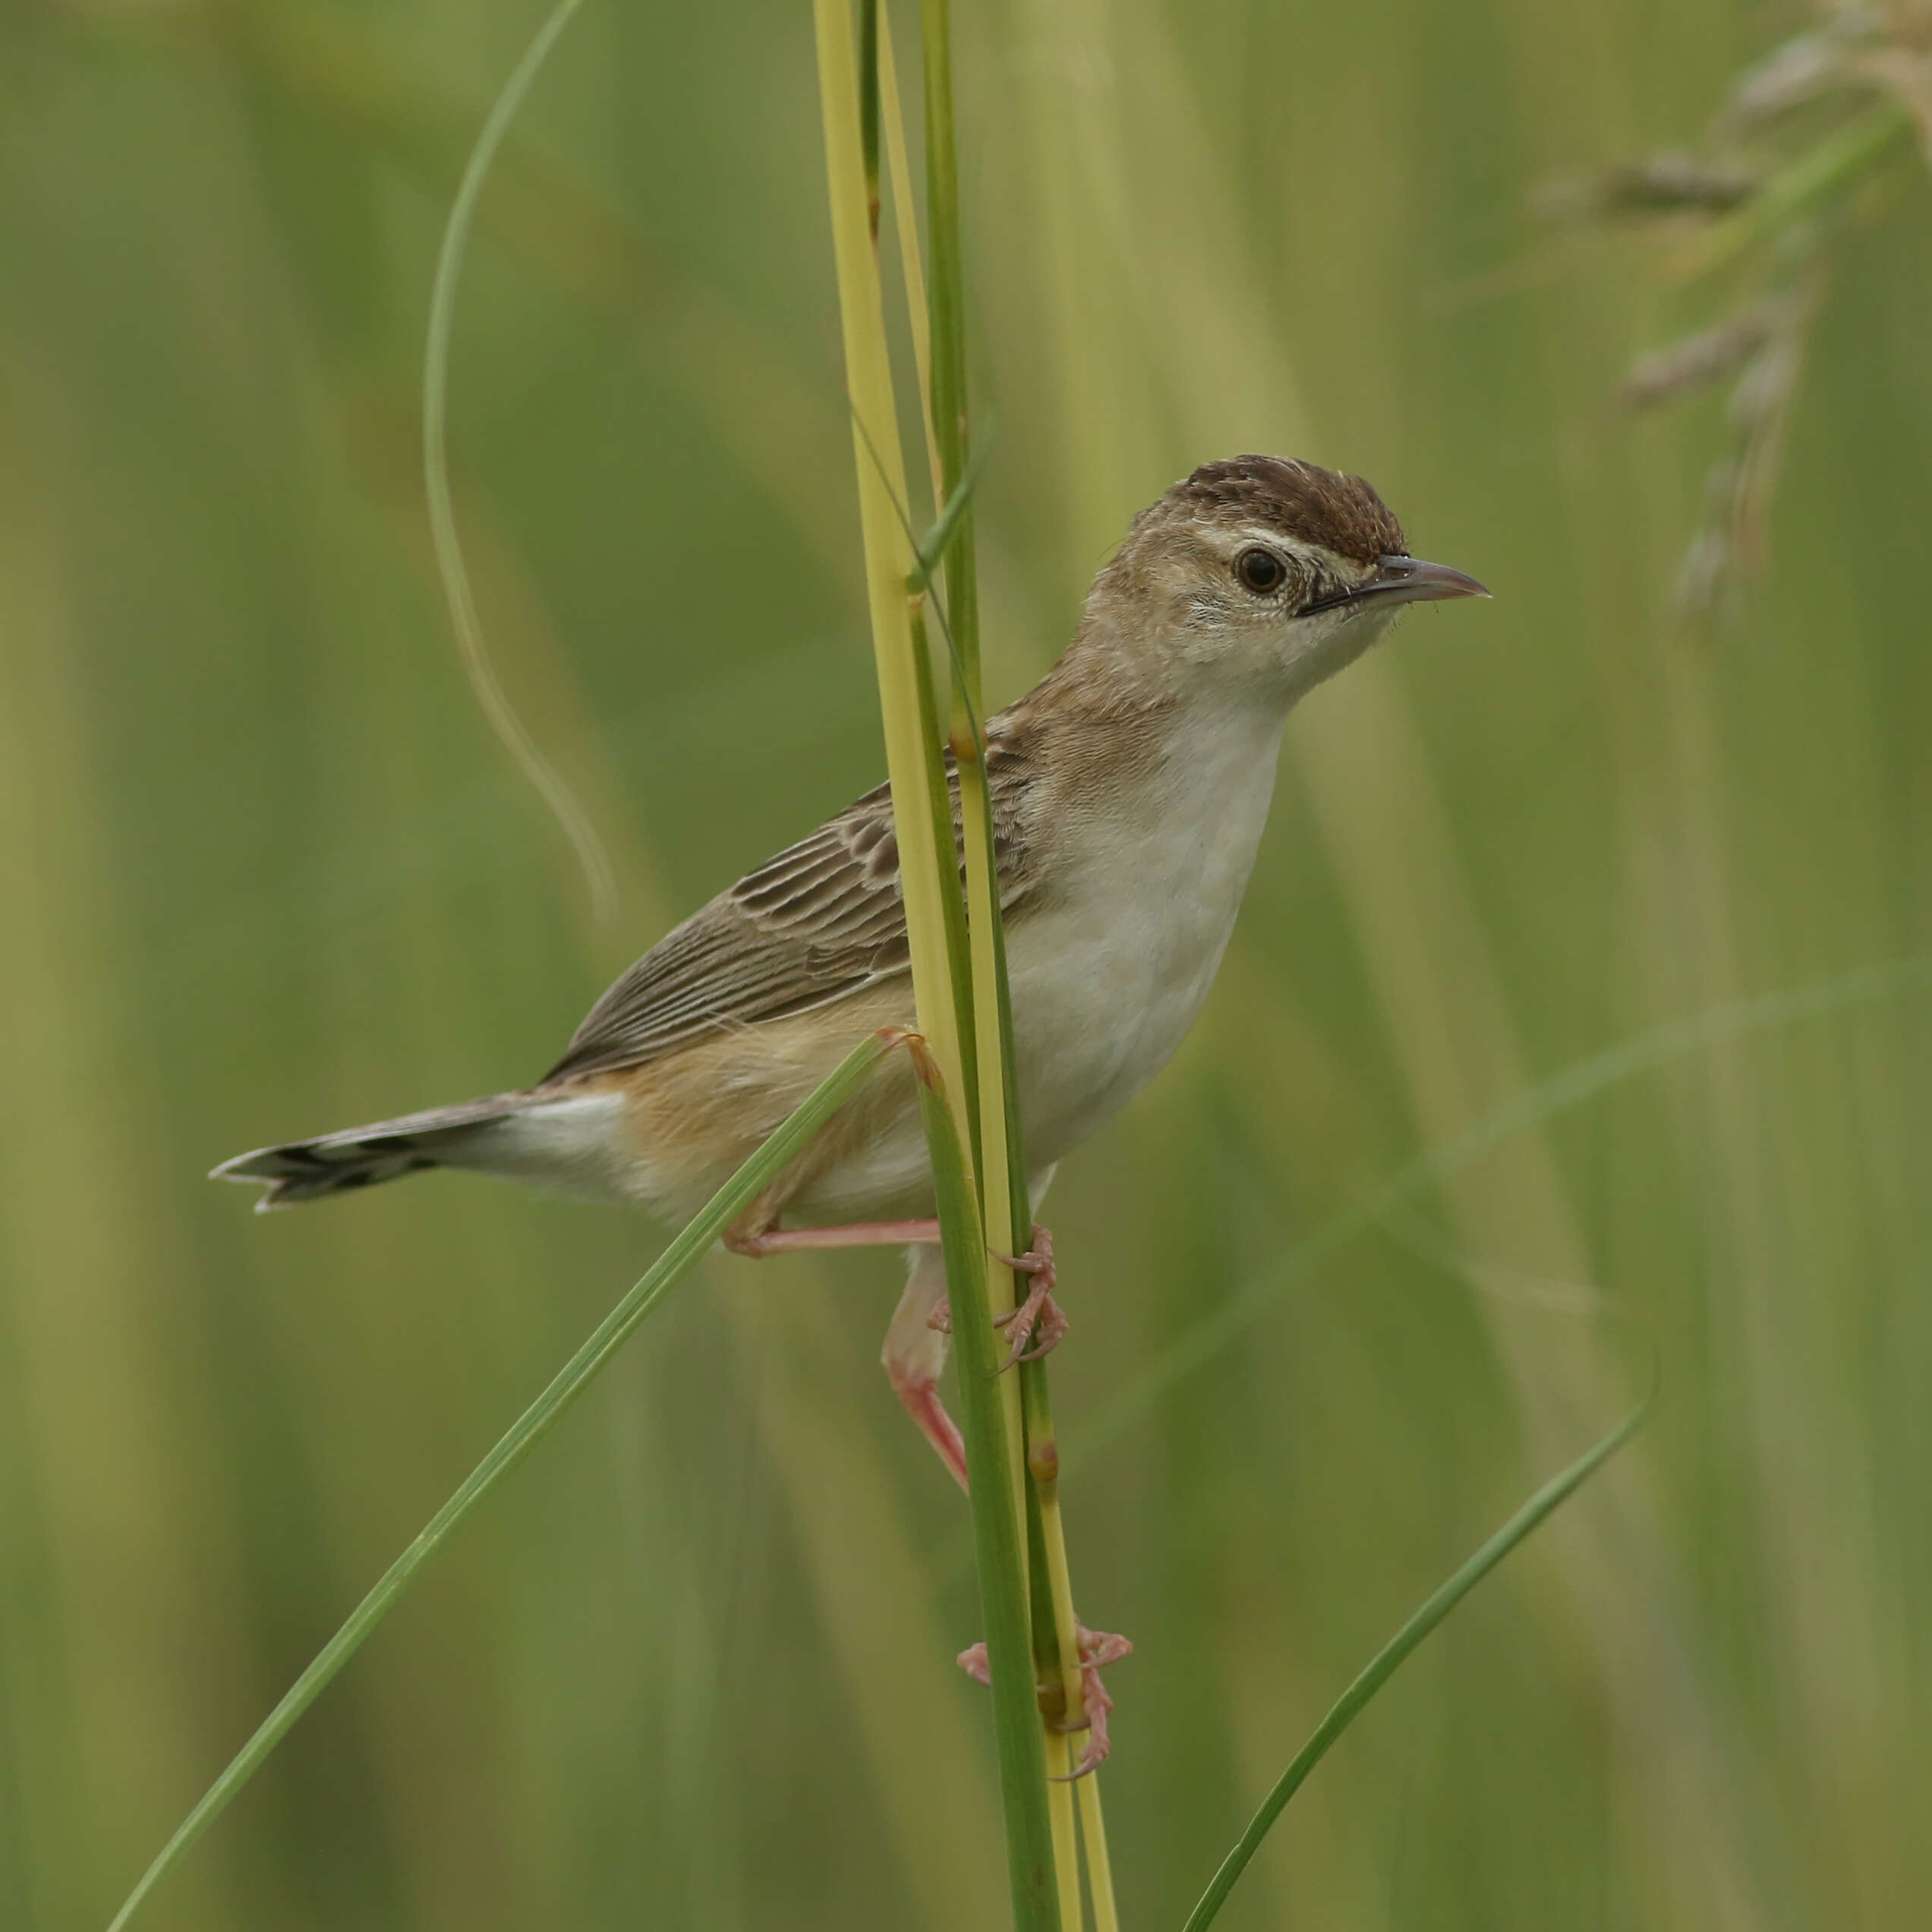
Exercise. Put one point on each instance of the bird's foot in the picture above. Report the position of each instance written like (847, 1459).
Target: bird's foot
(1098, 1648)
(1035, 1327)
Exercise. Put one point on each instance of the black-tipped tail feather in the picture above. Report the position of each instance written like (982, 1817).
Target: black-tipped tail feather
(361, 1157)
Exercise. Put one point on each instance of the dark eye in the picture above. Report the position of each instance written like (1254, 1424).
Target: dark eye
(1261, 570)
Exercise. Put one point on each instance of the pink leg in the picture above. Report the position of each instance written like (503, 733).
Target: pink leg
(914, 1353)
(923, 1405)
(851, 1234)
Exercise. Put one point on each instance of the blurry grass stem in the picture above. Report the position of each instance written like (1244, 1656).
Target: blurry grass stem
(684, 1252)
(942, 976)
(510, 730)
(1574, 1086)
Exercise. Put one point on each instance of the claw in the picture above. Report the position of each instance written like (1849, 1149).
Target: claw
(1036, 1326)
(1098, 1648)
(1038, 1319)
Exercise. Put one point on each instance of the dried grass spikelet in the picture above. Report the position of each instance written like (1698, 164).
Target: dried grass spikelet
(1801, 146)
(1766, 345)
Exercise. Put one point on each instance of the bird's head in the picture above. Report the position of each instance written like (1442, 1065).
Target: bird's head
(1262, 570)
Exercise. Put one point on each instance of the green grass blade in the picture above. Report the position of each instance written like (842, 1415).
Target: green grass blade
(509, 728)
(1574, 1086)
(523, 1436)
(1391, 1657)
(932, 548)
(997, 1527)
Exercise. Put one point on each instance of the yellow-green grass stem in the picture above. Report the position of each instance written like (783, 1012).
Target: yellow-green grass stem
(1043, 1466)
(1066, 1831)
(1093, 1846)
(912, 757)
(522, 1436)
(929, 875)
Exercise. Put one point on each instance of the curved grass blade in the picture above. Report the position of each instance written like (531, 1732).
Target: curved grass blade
(1391, 1657)
(932, 548)
(510, 730)
(523, 1436)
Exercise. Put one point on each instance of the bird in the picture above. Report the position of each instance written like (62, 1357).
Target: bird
(1129, 789)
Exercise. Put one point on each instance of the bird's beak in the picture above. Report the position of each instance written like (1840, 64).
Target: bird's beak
(1405, 580)
(1408, 580)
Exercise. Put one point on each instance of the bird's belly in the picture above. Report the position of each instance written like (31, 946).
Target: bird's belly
(1092, 1027)
(1099, 1006)
(1096, 1014)
(1107, 983)
(1108, 976)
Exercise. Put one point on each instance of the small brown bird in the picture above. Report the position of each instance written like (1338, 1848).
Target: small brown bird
(1129, 789)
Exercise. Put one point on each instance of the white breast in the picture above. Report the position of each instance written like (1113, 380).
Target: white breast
(1111, 970)
(1107, 983)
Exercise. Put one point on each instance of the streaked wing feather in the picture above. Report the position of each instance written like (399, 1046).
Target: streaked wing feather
(820, 922)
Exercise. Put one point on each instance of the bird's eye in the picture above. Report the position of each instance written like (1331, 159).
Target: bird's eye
(1261, 570)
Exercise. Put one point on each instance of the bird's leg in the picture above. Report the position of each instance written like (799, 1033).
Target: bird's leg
(755, 1240)
(1098, 1648)
(914, 1353)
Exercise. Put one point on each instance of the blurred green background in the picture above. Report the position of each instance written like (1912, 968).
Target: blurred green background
(266, 873)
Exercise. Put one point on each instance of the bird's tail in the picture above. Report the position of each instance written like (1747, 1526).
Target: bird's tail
(361, 1157)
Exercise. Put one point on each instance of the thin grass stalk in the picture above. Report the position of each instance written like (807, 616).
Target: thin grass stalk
(1047, 1681)
(906, 220)
(490, 696)
(690, 1247)
(912, 757)
(1093, 1849)
(941, 983)
(995, 1119)
(1043, 1466)
(1031, 1862)
(1057, 1586)
(1066, 1827)
(1004, 1178)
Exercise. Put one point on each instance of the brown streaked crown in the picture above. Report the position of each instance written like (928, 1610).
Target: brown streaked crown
(1302, 500)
